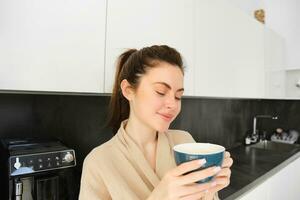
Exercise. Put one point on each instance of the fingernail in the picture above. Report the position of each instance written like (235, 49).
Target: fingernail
(201, 161)
(213, 184)
(217, 169)
(206, 191)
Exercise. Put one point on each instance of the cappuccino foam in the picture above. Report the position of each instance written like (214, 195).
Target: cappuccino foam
(198, 148)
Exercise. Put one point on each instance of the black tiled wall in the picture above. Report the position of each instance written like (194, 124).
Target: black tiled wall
(79, 121)
(227, 121)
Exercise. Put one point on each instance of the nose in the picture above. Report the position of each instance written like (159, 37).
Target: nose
(171, 102)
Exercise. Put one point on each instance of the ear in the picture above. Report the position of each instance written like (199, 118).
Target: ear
(127, 90)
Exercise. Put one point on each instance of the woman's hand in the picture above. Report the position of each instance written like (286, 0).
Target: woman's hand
(176, 185)
(223, 177)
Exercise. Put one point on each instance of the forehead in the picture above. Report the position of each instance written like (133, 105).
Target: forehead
(165, 72)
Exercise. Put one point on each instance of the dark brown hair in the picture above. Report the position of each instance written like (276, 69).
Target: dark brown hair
(132, 64)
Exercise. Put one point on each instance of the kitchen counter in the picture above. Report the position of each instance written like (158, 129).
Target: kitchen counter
(253, 166)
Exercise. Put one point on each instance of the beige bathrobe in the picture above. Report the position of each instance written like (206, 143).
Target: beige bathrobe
(118, 169)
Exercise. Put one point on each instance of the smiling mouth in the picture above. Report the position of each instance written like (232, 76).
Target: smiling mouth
(166, 117)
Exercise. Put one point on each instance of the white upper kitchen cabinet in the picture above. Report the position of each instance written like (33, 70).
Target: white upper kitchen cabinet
(229, 51)
(274, 64)
(52, 45)
(136, 24)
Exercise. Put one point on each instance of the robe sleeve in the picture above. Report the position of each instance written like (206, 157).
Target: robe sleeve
(92, 186)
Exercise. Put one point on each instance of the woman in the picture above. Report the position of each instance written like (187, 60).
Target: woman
(138, 163)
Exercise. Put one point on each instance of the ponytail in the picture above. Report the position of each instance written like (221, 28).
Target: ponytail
(119, 105)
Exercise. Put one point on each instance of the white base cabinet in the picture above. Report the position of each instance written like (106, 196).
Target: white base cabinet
(284, 184)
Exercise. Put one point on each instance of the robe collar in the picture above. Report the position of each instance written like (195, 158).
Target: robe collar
(164, 155)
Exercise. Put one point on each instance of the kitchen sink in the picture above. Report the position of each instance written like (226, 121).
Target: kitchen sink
(275, 146)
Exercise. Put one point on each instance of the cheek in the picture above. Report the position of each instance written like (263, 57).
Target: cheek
(149, 103)
(179, 107)
(154, 103)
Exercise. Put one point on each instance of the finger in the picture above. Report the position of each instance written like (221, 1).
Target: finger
(224, 172)
(222, 181)
(198, 175)
(221, 184)
(215, 189)
(196, 188)
(227, 154)
(227, 162)
(194, 196)
(187, 167)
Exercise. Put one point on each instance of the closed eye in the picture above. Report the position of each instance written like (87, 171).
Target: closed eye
(160, 93)
(178, 98)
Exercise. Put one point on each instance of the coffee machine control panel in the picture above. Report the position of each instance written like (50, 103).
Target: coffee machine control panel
(38, 162)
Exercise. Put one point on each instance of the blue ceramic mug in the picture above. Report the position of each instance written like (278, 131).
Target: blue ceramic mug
(212, 153)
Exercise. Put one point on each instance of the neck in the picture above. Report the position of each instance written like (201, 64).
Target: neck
(142, 134)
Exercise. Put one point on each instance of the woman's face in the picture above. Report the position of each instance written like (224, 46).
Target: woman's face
(157, 100)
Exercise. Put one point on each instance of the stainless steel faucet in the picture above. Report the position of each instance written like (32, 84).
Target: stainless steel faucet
(254, 136)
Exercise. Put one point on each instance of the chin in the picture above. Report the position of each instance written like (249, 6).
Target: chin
(162, 127)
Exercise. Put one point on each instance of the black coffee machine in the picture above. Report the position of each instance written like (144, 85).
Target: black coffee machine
(32, 169)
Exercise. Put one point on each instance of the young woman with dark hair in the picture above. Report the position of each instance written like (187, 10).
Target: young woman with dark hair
(138, 162)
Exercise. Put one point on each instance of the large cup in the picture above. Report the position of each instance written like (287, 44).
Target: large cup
(212, 153)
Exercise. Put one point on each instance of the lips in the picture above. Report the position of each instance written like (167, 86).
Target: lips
(167, 117)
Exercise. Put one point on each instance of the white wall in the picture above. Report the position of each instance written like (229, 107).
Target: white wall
(248, 6)
(284, 18)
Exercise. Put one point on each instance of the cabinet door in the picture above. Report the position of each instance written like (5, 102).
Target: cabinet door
(282, 185)
(292, 81)
(229, 51)
(52, 45)
(274, 64)
(261, 192)
(285, 184)
(136, 24)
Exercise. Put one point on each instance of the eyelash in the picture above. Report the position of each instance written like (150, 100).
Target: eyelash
(177, 98)
(162, 94)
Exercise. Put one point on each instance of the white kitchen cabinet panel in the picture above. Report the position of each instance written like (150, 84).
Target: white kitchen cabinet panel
(52, 45)
(136, 24)
(285, 184)
(229, 51)
(275, 83)
(274, 64)
(261, 192)
(274, 50)
(293, 83)
(282, 185)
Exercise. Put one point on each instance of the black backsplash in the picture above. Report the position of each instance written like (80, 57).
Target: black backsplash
(78, 121)
(227, 121)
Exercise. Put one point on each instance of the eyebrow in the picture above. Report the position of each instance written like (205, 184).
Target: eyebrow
(168, 86)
